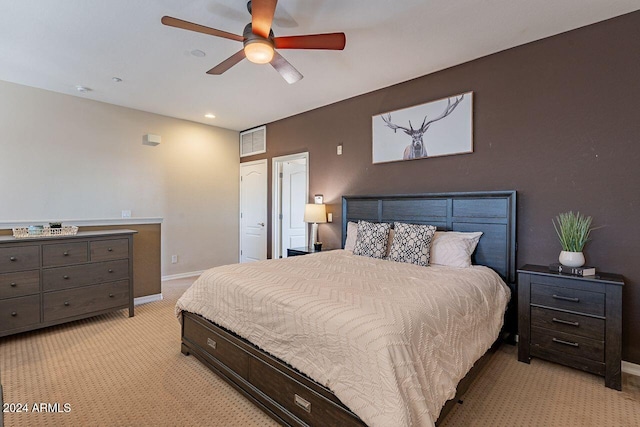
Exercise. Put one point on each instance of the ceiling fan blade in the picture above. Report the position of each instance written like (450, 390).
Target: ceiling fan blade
(286, 70)
(186, 25)
(331, 41)
(227, 63)
(262, 16)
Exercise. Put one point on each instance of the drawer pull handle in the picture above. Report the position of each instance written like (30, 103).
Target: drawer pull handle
(110, 295)
(565, 322)
(66, 303)
(13, 258)
(303, 403)
(14, 314)
(110, 249)
(111, 270)
(572, 344)
(65, 277)
(13, 284)
(211, 343)
(65, 253)
(560, 297)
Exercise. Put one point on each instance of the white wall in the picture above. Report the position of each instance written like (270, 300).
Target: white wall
(65, 157)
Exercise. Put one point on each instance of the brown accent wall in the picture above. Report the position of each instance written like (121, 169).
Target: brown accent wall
(558, 120)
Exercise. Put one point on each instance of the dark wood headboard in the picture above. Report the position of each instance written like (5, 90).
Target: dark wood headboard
(492, 212)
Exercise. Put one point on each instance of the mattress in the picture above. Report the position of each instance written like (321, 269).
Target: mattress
(390, 340)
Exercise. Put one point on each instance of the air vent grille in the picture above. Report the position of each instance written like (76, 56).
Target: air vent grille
(253, 141)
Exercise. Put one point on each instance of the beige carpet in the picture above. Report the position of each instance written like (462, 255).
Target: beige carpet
(118, 371)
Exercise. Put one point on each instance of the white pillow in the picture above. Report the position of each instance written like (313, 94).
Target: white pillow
(352, 235)
(453, 248)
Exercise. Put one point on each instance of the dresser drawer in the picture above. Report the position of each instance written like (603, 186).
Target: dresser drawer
(217, 346)
(64, 254)
(19, 312)
(588, 327)
(19, 284)
(105, 250)
(74, 302)
(87, 274)
(570, 344)
(568, 299)
(18, 258)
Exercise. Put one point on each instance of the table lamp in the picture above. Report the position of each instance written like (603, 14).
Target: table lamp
(315, 214)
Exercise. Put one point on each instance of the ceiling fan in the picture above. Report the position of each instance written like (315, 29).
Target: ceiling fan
(260, 43)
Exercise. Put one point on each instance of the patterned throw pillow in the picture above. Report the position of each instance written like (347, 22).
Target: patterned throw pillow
(412, 243)
(372, 239)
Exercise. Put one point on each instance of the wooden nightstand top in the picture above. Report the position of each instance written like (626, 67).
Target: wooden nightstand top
(610, 278)
(305, 250)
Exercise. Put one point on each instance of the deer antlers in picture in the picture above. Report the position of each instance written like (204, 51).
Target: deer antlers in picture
(417, 148)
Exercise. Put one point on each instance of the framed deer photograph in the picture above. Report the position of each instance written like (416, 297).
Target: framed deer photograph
(437, 128)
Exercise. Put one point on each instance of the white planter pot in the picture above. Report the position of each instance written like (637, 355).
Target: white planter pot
(571, 259)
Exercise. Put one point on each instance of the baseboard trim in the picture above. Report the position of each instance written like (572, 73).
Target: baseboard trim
(631, 368)
(147, 298)
(182, 275)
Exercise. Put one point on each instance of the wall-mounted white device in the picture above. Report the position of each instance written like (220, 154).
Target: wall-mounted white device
(152, 140)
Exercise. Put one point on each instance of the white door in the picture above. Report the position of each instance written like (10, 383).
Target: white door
(253, 211)
(294, 197)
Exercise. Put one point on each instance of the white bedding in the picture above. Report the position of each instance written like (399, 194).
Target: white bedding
(391, 340)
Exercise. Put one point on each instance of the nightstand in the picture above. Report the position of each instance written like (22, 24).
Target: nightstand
(572, 320)
(305, 250)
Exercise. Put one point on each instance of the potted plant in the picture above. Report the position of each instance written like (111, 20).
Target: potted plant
(573, 231)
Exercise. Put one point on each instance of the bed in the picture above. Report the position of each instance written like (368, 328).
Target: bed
(300, 336)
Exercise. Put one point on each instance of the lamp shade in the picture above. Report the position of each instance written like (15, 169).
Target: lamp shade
(315, 213)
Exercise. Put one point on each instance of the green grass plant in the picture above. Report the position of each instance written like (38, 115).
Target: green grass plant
(573, 230)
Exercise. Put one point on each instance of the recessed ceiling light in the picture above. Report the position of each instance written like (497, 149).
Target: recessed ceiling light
(198, 53)
(116, 79)
(83, 89)
(210, 116)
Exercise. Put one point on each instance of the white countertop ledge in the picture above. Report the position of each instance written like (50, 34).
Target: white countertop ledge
(83, 222)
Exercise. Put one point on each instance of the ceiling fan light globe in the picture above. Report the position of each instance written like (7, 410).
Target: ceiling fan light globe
(258, 51)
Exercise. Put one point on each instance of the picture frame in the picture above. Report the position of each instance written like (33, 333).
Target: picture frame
(437, 128)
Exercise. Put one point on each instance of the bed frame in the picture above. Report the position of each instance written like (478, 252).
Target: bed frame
(290, 397)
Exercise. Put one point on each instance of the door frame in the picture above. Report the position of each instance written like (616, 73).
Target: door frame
(244, 164)
(276, 168)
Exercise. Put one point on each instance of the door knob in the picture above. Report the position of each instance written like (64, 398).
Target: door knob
(261, 224)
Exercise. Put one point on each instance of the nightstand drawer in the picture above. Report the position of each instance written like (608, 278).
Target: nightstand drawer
(553, 320)
(567, 344)
(19, 258)
(568, 299)
(19, 284)
(64, 254)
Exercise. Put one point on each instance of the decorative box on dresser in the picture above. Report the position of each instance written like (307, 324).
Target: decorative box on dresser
(46, 281)
(572, 320)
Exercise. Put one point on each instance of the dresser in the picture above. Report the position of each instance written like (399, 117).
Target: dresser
(46, 281)
(572, 320)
